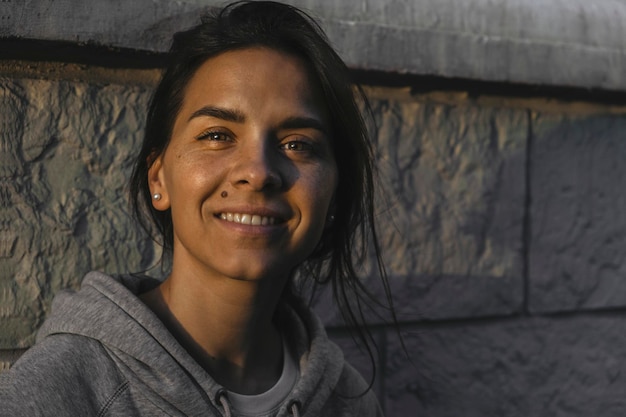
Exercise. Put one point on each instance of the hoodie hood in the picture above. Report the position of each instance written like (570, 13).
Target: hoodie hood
(107, 309)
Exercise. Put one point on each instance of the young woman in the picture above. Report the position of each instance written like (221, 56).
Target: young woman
(256, 171)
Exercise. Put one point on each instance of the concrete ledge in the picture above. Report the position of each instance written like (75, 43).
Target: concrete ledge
(573, 43)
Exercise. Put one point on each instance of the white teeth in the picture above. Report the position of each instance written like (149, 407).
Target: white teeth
(251, 219)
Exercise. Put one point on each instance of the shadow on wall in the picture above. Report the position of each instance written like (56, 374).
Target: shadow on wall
(474, 200)
(534, 363)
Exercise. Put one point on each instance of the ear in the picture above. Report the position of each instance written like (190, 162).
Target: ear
(157, 184)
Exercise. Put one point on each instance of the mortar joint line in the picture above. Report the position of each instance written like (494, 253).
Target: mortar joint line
(527, 220)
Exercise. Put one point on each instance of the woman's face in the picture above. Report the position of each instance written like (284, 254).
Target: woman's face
(249, 173)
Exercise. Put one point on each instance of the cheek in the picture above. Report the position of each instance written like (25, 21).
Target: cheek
(321, 192)
(191, 178)
(193, 185)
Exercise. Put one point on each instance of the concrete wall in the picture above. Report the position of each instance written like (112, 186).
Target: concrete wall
(501, 219)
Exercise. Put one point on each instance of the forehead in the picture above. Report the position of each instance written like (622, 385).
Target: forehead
(252, 77)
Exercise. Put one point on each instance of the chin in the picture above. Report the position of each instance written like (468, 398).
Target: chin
(257, 273)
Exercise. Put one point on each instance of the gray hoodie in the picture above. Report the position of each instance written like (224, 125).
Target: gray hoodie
(102, 352)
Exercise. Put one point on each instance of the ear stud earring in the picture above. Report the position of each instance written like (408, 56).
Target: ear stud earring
(156, 196)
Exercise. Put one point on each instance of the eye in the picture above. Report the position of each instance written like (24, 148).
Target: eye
(297, 146)
(215, 136)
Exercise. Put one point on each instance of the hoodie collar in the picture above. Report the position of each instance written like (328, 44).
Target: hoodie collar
(107, 309)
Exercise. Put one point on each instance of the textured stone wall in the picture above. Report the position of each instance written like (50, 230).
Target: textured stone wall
(502, 229)
(67, 152)
(501, 222)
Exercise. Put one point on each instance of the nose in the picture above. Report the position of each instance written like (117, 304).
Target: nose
(257, 167)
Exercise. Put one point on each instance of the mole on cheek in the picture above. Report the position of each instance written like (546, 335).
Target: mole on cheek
(224, 194)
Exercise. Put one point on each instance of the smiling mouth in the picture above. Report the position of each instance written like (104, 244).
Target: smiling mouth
(249, 219)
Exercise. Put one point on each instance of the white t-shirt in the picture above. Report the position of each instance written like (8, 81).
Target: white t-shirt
(267, 403)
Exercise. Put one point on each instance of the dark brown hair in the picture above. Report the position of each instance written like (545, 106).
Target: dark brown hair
(284, 28)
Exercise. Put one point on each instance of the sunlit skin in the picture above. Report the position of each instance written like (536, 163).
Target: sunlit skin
(252, 139)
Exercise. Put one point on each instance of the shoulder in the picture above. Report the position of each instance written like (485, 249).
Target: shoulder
(356, 393)
(352, 397)
(61, 375)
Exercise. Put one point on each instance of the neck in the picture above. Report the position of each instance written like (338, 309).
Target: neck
(226, 326)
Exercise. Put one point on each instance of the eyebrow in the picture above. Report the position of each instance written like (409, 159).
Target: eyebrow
(304, 123)
(219, 113)
(295, 122)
